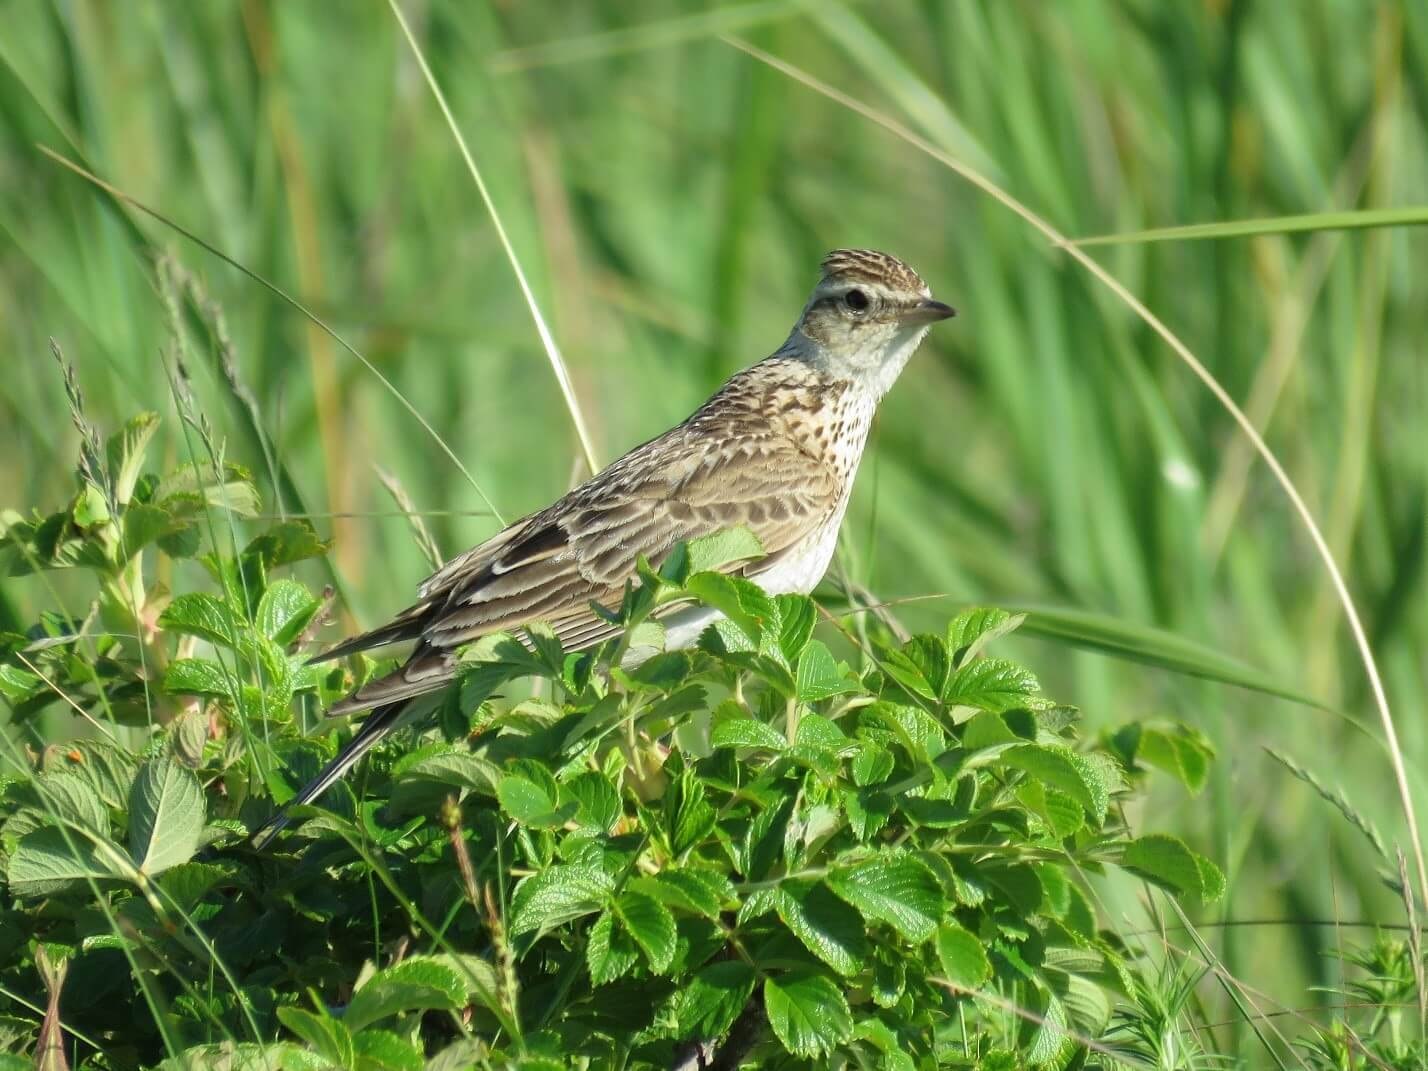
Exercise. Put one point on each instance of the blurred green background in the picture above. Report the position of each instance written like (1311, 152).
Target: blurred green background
(670, 196)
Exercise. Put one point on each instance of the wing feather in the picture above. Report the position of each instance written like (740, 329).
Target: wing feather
(734, 462)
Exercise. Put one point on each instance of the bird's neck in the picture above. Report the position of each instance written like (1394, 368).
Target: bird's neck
(870, 372)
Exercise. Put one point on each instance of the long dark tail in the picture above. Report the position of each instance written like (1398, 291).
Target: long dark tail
(382, 721)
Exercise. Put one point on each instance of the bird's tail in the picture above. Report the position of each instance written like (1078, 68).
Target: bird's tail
(381, 722)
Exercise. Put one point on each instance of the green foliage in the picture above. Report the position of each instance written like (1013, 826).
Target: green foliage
(826, 862)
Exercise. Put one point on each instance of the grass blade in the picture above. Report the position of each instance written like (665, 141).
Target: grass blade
(1154, 647)
(557, 363)
(1409, 216)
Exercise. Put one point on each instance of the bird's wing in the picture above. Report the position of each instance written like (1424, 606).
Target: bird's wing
(552, 565)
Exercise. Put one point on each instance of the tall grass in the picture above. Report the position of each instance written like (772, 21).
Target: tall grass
(667, 198)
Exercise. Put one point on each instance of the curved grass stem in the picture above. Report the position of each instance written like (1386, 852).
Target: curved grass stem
(1059, 241)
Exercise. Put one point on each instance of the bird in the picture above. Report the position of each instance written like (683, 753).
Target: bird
(774, 450)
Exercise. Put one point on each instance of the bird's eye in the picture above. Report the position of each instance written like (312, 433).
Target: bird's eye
(856, 300)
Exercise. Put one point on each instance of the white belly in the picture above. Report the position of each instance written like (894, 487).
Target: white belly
(797, 573)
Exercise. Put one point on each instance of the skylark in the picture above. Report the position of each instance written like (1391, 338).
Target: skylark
(774, 450)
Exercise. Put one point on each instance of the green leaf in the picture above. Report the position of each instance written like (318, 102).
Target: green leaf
(969, 633)
(1064, 769)
(124, 454)
(1048, 1040)
(285, 543)
(1180, 751)
(797, 616)
(90, 507)
(746, 732)
(964, 960)
(872, 765)
(651, 925)
(808, 1012)
(991, 684)
(69, 797)
(696, 889)
(720, 549)
(50, 860)
(284, 611)
(691, 817)
(201, 615)
(828, 927)
(326, 1035)
(1167, 861)
(198, 676)
(889, 1046)
(597, 800)
(707, 1005)
(558, 895)
(901, 892)
(532, 804)
(381, 1050)
(609, 950)
(415, 984)
(166, 815)
(820, 676)
(746, 607)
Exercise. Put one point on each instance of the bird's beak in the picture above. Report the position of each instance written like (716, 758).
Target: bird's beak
(928, 311)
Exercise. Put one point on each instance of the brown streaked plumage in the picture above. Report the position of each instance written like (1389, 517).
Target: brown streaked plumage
(775, 450)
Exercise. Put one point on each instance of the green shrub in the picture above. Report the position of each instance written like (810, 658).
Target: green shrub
(749, 851)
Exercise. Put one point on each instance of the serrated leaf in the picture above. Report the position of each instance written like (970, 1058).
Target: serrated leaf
(701, 891)
(828, 927)
(609, 950)
(558, 895)
(964, 960)
(872, 765)
(596, 799)
(746, 607)
(204, 616)
(284, 611)
(50, 860)
(1177, 750)
(415, 984)
(991, 684)
(651, 925)
(723, 548)
(328, 1036)
(901, 892)
(970, 631)
(166, 815)
(808, 1012)
(70, 798)
(1064, 769)
(1167, 861)
(531, 804)
(1049, 1038)
(885, 1040)
(286, 543)
(820, 675)
(797, 616)
(816, 731)
(691, 818)
(707, 1005)
(381, 1050)
(124, 453)
(198, 676)
(746, 732)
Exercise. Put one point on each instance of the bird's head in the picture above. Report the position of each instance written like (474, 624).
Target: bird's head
(865, 318)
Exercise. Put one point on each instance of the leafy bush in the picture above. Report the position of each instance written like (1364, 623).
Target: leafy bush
(746, 852)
